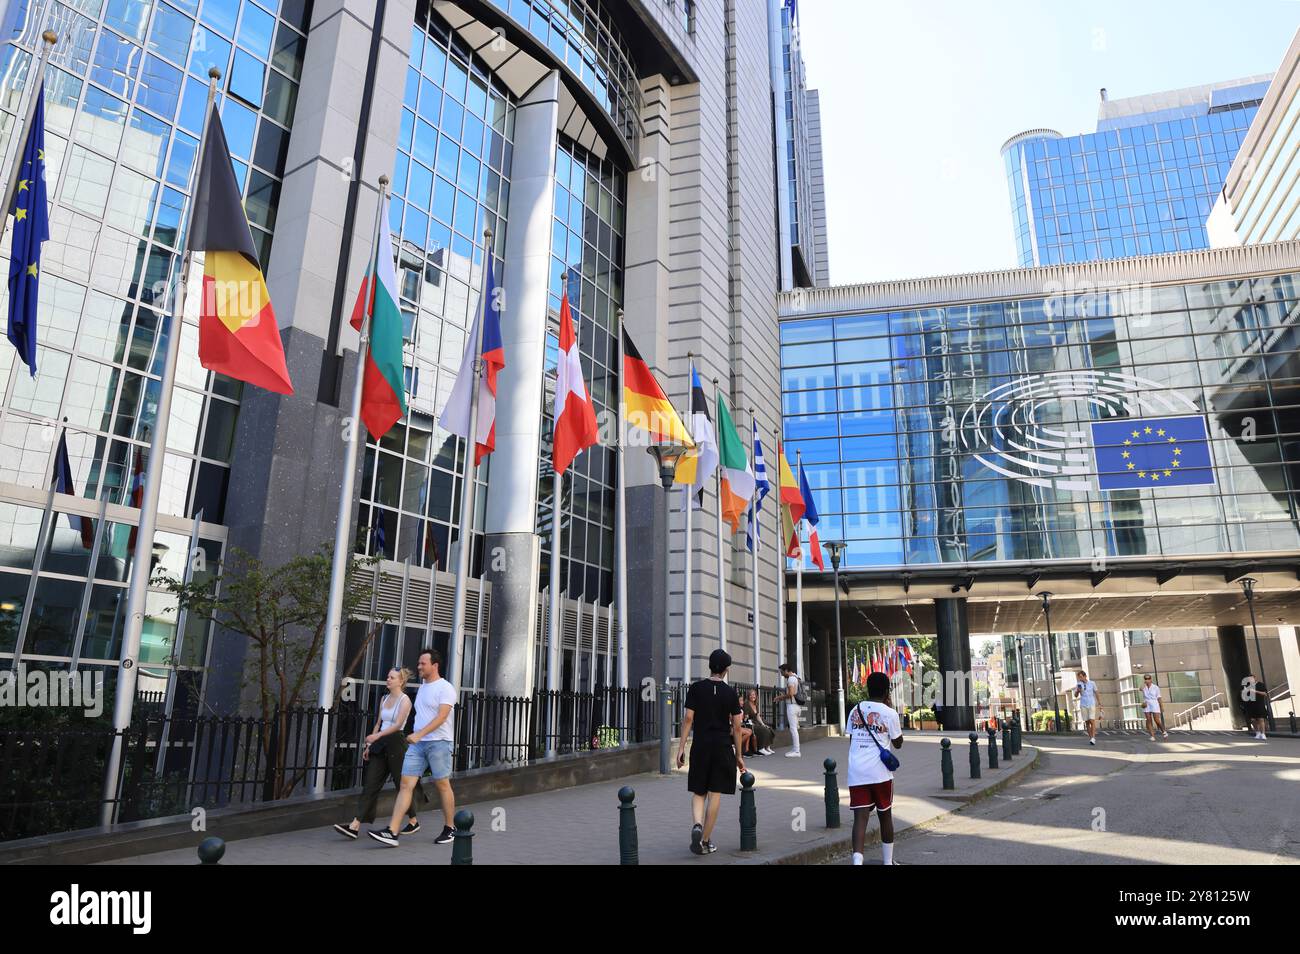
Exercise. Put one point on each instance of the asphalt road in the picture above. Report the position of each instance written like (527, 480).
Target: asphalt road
(1209, 800)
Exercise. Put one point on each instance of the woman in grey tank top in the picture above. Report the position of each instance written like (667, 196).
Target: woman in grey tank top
(384, 750)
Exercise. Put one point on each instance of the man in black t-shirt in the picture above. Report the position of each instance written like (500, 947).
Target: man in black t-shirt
(713, 710)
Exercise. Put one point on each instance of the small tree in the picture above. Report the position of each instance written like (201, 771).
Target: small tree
(282, 611)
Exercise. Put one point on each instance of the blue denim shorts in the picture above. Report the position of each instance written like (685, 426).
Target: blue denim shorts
(433, 753)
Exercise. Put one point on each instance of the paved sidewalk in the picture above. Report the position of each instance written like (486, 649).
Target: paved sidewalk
(580, 825)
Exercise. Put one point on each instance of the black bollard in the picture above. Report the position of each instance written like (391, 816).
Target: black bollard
(945, 763)
(210, 850)
(462, 848)
(1015, 738)
(832, 795)
(628, 850)
(974, 755)
(1293, 732)
(993, 747)
(748, 814)
(1006, 742)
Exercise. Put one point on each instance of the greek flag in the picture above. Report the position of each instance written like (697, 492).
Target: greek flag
(763, 487)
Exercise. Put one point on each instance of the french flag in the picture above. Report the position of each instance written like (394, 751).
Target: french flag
(455, 416)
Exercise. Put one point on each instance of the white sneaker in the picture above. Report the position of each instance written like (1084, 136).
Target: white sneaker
(793, 755)
(1164, 735)
(767, 751)
(1263, 737)
(1092, 741)
(1153, 738)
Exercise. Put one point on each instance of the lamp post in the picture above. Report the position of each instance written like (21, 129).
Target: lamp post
(1155, 666)
(666, 457)
(1248, 587)
(836, 548)
(1024, 691)
(1051, 658)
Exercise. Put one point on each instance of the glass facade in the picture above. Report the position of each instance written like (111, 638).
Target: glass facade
(898, 418)
(1142, 187)
(125, 93)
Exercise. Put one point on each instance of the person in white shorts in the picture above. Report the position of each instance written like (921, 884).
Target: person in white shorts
(1089, 707)
(1152, 707)
(791, 708)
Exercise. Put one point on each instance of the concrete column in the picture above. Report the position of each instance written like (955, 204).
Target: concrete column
(953, 631)
(1236, 667)
(512, 554)
(1290, 660)
(287, 462)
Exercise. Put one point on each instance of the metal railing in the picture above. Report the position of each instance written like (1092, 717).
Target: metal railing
(1203, 708)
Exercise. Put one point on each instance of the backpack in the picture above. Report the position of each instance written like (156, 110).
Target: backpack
(800, 697)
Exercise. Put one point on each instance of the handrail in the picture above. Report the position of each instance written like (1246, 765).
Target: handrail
(1202, 708)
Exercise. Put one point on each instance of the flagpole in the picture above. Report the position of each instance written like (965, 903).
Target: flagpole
(178, 644)
(11, 181)
(753, 553)
(555, 632)
(342, 555)
(688, 611)
(455, 645)
(620, 545)
(85, 597)
(43, 543)
(722, 585)
(142, 561)
(780, 552)
(798, 585)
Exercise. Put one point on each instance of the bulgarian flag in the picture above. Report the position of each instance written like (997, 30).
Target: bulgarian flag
(737, 478)
(575, 418)
(238, 336)
(383, 393)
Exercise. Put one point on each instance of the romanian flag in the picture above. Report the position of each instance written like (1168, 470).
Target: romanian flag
(383, 391)
(646, 407)
(238, 336)
(791, 501)
(737, 478)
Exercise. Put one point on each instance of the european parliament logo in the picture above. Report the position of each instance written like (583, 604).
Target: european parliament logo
(1152, 452)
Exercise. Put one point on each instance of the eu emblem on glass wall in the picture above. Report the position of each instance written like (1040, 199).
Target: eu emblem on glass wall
(1152, 452)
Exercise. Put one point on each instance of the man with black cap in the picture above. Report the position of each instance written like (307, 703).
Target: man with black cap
(713, 709)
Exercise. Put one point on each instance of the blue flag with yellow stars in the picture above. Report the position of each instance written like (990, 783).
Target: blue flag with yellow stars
(1152, 452)
(31, 228)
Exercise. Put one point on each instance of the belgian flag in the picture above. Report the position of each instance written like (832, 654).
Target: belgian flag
(238, 336)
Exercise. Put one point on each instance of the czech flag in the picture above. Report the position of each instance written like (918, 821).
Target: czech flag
(455, 416)
(575, 418)
(238, 336)
(63, 485)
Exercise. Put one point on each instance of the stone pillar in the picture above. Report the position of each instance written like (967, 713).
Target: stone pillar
(1236, 667)
(953, 642)
(1290, 646)
(512, 555)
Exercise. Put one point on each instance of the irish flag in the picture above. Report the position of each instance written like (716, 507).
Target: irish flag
(383, 392)
(575, 418)
(238, 336)
(737, 478)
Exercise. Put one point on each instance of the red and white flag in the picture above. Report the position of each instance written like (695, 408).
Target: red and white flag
(575, 418)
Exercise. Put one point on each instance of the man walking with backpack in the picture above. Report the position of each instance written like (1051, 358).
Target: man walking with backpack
(871, 726)
(793, 699)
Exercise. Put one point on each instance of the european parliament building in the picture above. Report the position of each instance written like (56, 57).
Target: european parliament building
(627, 147)
(1122, 436)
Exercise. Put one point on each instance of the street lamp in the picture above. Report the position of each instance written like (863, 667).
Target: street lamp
(666, 457)
(1051, 658)
(1155, 666)
(836, 548)
(1024, 691)
(1248, 586)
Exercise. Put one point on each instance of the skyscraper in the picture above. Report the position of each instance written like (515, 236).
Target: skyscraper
(1142, 184)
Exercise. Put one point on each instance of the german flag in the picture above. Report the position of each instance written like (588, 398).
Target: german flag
(238, 336)
(647, 408)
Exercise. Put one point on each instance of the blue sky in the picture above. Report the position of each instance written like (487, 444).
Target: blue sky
(917, 98)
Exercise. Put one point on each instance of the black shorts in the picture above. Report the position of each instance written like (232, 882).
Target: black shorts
(712, 766)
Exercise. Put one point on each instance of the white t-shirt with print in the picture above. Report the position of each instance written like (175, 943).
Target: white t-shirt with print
(431, 697)
(1151, 698)
(865, 767)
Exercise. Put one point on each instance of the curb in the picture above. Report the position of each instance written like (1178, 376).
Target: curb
(827, 850)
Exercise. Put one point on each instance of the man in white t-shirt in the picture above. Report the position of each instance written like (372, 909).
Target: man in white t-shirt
(791, 680)
(1152, 707)
(429, 746)
(872, 726)
(1085, 690)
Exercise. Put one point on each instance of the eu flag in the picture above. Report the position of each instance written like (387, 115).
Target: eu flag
(378, 537)
(31, 228)
(1152, 452)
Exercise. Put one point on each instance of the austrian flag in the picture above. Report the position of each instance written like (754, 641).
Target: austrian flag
(575, 418)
